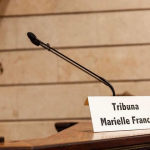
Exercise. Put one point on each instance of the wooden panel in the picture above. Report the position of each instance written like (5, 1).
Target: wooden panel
(19, 7)
(8, 104)
(26, 130)
(58, 101)
(79, 30)
(28, 67)
(114, 63)
(124, 28)
(8, 33)
(64, 30)
(66, 101)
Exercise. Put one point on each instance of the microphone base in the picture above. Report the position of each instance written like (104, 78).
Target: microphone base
(2, 139)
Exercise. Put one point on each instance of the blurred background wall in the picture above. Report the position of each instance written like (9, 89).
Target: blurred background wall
(38, 89)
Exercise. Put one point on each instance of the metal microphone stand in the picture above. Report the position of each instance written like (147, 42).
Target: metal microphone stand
(47, 46)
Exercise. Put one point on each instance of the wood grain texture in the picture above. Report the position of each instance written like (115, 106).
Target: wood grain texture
(82, 136)
(58, 101)
(25, 130)
(15, 145)
(113, 63)
(19, 7)
(80, 30)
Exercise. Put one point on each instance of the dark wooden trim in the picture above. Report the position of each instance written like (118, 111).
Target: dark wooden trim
(76, 13)
(75, 82)
(103, 144)
(76, 47)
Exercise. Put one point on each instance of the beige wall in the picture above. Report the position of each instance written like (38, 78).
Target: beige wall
(37, 89)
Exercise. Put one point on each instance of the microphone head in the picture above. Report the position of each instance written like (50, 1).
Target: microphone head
(33, 38)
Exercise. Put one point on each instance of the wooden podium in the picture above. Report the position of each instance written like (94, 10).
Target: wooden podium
(81, 137)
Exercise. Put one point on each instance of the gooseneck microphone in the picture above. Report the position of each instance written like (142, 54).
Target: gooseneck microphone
(37, 42)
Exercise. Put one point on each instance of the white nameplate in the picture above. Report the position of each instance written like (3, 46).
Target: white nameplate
(119, 112)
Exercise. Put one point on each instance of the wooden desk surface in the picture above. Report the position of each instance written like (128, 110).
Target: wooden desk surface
(81, 136)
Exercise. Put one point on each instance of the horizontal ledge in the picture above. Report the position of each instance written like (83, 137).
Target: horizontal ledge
(74, 47)
(75, 13)
(68, 83)
(38, 120)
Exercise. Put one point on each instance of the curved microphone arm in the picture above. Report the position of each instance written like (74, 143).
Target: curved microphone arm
(47, 46)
